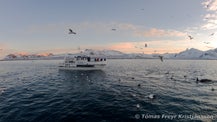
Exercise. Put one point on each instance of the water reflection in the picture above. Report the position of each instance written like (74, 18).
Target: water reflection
(82, 81)
(82, 75)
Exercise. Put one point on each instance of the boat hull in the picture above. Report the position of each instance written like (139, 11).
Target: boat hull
(81, 68)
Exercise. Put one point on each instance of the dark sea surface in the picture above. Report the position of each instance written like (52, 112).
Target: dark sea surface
(38, 91)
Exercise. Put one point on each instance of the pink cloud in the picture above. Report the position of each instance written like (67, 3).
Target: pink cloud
(154, 32)
(210, 5)
(127, 26)
(210, 16)
(123, 46)
(158, 46)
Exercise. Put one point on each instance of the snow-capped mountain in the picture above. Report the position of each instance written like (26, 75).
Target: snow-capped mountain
(195, 54)
(113, 54)
(19, 56)
(189, 54)
(210, 54)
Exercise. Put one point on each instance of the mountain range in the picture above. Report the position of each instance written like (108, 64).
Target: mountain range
(191, 53)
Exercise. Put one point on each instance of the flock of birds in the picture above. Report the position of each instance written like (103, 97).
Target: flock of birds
(146, 45)
(153, 96)
(150, 97)
(191, 37)
(113, 29)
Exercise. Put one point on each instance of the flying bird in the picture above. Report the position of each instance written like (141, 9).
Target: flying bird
(212, 34)
(161, 58)
(113, 29)
(71, 32)
(206, 42)
(190, 37)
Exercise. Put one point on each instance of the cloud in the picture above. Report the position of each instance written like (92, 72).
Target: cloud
(211, 17)
(1, 48)
(105, 28)
(150, 32)
(156, 46)
(122, 45)
(209, 26)
(154, 32)
(210, 21)
(127, 26)
(210, 5)
(4, 50)
(90, 31)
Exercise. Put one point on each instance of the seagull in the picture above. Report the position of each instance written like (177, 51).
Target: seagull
(113, 29)
(71, 32)
(134, 95)
(161, 58)
(190, 37)
(151, 96)
(206, 42)
(212, 34)
(137, 105)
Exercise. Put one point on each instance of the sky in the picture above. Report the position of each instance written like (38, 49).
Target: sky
(41, 26)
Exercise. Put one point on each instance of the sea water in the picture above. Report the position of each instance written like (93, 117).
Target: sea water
(38, 91)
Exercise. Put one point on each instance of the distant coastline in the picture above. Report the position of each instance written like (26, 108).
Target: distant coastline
(188, 54)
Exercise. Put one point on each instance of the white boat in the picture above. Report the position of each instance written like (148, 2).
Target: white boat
(83, 62)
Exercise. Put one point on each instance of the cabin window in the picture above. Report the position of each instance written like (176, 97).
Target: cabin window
(88, 59)
(96, 59)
